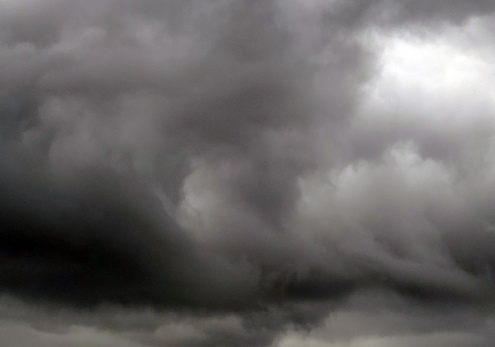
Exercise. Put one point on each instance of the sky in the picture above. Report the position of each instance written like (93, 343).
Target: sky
(272, 173)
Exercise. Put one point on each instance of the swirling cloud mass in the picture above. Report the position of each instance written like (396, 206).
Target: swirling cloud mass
(247, 173)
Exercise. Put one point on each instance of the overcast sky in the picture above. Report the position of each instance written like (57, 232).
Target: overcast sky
(272, 173)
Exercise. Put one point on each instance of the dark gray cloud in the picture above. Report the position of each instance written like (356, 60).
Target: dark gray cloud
(241, 168)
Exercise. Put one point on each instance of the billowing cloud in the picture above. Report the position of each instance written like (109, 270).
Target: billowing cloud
(246, 170)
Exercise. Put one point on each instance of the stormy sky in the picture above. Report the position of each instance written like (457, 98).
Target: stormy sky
(272, 173)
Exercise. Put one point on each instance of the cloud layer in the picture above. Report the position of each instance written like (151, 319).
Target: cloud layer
(247, 170)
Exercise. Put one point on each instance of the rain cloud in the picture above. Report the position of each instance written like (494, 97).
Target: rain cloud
(247, 173)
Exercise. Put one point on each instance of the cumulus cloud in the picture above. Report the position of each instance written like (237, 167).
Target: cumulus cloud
(244, 168)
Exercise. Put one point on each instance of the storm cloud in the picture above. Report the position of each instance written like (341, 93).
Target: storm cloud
(247, 173)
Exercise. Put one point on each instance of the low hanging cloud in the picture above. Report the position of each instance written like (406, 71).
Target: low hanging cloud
(251, 172)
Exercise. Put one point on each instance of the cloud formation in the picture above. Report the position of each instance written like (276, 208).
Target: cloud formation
(246, 169)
